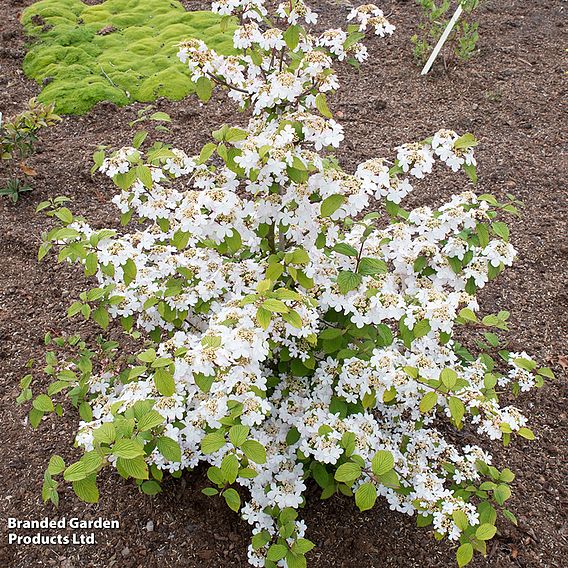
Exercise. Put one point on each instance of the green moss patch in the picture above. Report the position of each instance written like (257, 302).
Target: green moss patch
(120, 50)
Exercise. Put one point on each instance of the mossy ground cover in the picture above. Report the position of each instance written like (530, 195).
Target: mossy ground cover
(120, 50)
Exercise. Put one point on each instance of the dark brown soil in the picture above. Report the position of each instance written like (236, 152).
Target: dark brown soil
(510, 96)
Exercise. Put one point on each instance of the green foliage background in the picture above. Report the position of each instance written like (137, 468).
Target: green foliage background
(134, 62)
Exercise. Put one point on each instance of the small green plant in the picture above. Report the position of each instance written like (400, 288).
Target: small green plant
(436, 15)
(14, 188)
(18, 135)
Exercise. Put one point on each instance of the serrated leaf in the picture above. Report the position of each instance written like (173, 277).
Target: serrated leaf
(233, 499)
(204, 88)
(164, 382)
(213, 442)
(331, 204)
(150, 420)
(169, 449)
(254, 451)
(86, 489)
(43, 403)
(136, 467)
(56, 465)
(151, 487)
(127, 449)
(348, 281)
(238, 434)
(105, 433)
(372, 266)
(428, 402)
(321, 105)
(485, 531)
(347, 472)
(75, 472)
(366, 496)
(464, 554)
(382, 462)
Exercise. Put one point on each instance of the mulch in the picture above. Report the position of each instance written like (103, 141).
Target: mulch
(510, 96)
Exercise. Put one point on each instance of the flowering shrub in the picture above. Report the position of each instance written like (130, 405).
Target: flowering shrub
(289, 334)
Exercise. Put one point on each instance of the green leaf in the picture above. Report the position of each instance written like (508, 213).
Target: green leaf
(466, 141)
(383, 461)
(238, 434)
(501, 230)
(164, 382)
(150, 420)
(302, 546)
(347, 472)
(169, 449)
(277, 552)
(144, 174)
(292, 37)
(160, 117)
(372, 266)
(100, 315)
(471, 172)
(86, 489)
(43, 403)
(254, 451)
(75, 472)
(260, 539)
(448, 377)
(365, 496)
(526, 433)
(263, 317)
(275, 306)
(501, 493)
(485, 531)
(230, 467)
(468, 315)
(129, 270)
(233, 499)
(546, 372)
(460, 519)
(420, 264)
(138, 139)
(457, 409)
(56, 465)
(348, 281)
(295, 560)
(204, 89)
(344, 248)
(428, 402)
(510, 517)
(105, 433)
(294, 319)
(331, 204)
(136, 467)
(151, 487)
(213, 442)
(321, 105)
(421, 329)
(127, 448)
(464, 554)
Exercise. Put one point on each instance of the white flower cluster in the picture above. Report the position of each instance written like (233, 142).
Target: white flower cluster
(281, 309)
(265, 80)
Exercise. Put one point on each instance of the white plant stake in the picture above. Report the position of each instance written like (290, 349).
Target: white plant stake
(442, 40)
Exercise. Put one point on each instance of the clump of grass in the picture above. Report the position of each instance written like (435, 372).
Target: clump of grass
(120, 51)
